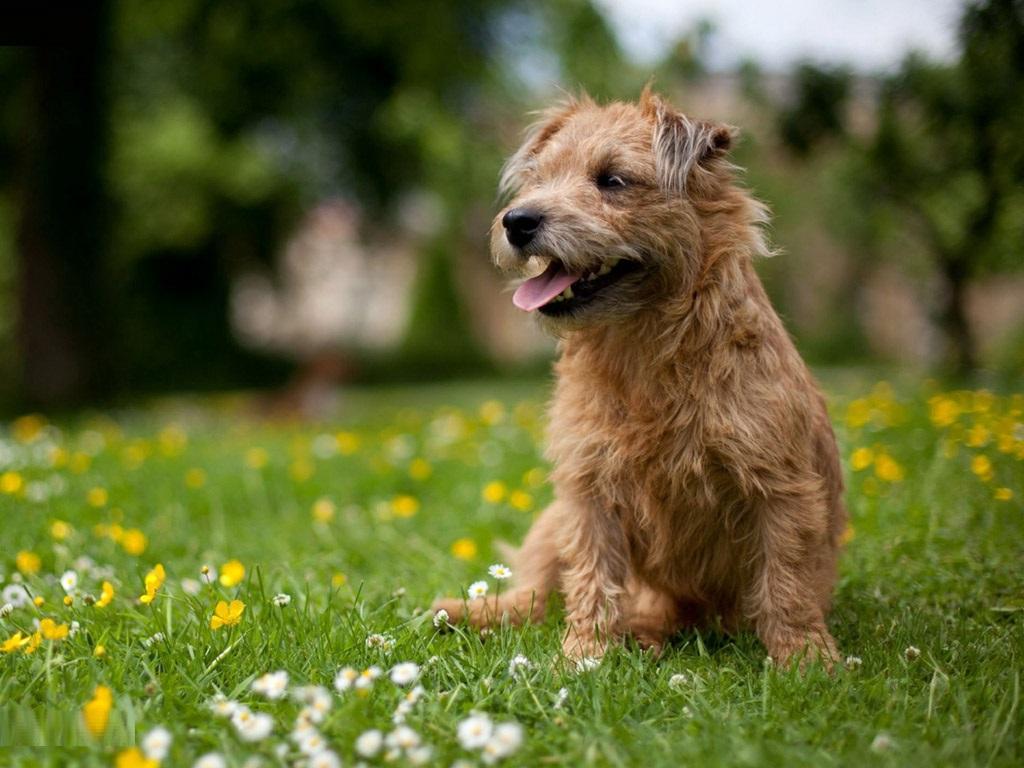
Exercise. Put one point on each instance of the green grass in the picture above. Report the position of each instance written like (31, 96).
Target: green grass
(936, 561)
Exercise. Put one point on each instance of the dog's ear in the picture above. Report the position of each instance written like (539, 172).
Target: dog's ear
(549, 122)
(685, 151)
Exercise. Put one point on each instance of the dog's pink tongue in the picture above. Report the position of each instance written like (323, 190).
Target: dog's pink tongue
(539, 290)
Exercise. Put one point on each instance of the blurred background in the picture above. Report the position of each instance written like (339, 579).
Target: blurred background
(289, 195)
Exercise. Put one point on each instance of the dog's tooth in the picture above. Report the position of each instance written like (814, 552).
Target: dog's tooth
(605, 269)
(567, 292)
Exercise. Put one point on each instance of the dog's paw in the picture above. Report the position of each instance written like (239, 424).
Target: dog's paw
(805, 650)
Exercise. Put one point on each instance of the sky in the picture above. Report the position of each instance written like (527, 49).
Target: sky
(867, 34)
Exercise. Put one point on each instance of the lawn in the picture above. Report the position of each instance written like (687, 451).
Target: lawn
(359, 521)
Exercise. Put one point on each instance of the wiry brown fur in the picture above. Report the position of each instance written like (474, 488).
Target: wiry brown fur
(696, 475)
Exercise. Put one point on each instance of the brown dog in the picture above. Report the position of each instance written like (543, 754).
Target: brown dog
(696, 474)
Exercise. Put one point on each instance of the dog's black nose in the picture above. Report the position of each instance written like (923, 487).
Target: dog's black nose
(521, 224)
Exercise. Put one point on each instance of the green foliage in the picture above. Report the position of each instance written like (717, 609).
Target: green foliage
(817, 111)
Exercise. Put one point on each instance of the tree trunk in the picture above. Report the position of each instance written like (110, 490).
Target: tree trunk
(62, 222)
(961, 356)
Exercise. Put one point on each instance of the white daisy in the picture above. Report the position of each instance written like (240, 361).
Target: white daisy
(441, 618)
(211, 760)
(312, 742)
(519, 663)
(157, 743)
(403, 737)
(499, 571)
(69, 580)
(16, 595)
(273, 685)
(369, 743)
(324, 759)
(477, 589)
(223, 707)
(6, 610)
(587, 663)
(853, 662)
(192, 587)
(281, 599)
(505, 740)
(255, 727)
(405, 673)
(882, 743)
(419, 755)
(474, 731)
(366, 678)
(345, 678)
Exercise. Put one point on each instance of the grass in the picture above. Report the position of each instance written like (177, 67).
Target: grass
(356, 519)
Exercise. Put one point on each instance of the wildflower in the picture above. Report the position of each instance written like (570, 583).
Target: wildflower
(38, 601)
(211, 760)
(69, 580)
(190, 586)
(348, 443)
(464, 549)
(227, 615)
(60, 530)
(281, 599)
(563, 694)
(1003, 494)
(888, 469)
(517, 663)
(11, 482)
(369, 743)
(311, 742)
(51, 630)
(223, 707)
(96, 712)
(882, 743)
(477, 589)
(208, 573)
(134, 541)
(232, 573)
(16, 595)
(317, 700)
(256, 458)
(345, 679)
(403, 737)
(69, 600)
(474, 731)
(324, 759)
(405, 505)
(97, 497)
(678, 680)
(153, 581)
(99, 651)
(506, 739)
(152, 640)
(33, 642)
(521, 500)
(499, 571)
(366, 679)
(383, 641)
(133, 758)
(494, 492)
(441, 618)
(587, 663)
(14, 643)
(251, 726)
(405, 673)
(338, 579)
(195, 478)
(419, 755)
(912, 653)
(981, 465)
(323, 510)
(157, 743)
(853, 662)
(6, 610)
(272, 685)
(861, 459)
(27, 562)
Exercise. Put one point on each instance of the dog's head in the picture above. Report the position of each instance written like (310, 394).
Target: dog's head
(605, 213)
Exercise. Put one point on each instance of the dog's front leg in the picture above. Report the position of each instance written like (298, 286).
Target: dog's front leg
(782, 599)
(596, 561)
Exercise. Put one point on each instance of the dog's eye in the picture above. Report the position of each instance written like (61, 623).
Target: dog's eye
(610, 181)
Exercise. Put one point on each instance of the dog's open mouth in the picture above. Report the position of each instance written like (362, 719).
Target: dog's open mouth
(557, 291)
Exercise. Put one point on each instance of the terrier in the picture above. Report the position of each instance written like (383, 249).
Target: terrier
(696, 476)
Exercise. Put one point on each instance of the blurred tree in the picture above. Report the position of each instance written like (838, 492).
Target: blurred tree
(817, 109)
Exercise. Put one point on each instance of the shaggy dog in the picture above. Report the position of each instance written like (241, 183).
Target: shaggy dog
(696, 477)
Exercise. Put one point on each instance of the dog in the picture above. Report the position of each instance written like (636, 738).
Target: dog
(695, 471)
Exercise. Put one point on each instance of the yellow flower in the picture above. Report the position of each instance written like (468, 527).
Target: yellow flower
(405, 505)
(492, 412)
(494, 492)
(115, 531)
(420, 469)
(154, 580)
(257, 458)
(301, 470)
(173, 440)
(338, 579)
(51, 630)
(27, 562)
(323, 510)
(978, 436)
(106, 596)
(38, 601)
(888, 469)
(232, 573)
(14, 642)
(11, 482)
(58, 457)
(521, 500)
(80, 461)
(97, 497)
(348, 443)
(195, 478)
(133, 541)
(96, 712)
(60, 530)
(464, 549)
(1003, 494)
(69, 600)
(27, 428)
(33, 642)
(858, 413)
(861, 459)
(99, 651)
(225, 615)
(981, 465)
(942, 410)
(534, 478)
(133, 757)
